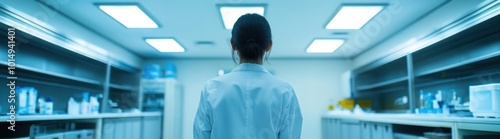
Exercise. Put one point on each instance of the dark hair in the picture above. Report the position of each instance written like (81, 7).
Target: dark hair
(251, 35)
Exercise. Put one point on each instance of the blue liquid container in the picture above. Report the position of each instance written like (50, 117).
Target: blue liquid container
(151, 71)
(170, 71)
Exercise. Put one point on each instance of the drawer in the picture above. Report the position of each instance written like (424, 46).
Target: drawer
(51, 136)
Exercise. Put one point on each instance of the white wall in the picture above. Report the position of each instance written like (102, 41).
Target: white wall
(315, 81)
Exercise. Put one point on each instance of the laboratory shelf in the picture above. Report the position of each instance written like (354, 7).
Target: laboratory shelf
(470, 57)
(123, 87)
(459, 50)
(21, 118)
(23, 71)
(382, 84)
(430, 82)
(61, 85)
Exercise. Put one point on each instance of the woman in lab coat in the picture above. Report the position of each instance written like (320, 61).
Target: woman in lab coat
(249, 102)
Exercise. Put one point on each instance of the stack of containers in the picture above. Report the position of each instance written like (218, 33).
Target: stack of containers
(26, 100)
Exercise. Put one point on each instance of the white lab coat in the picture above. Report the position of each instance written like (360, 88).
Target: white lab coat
(248, 103)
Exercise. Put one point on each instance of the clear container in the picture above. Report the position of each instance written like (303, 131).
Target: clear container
(49, 106)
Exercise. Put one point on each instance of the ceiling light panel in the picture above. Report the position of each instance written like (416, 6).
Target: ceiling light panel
(131, 16)
(165, 45)
(353, 17)
(324, 45)
(231, 14)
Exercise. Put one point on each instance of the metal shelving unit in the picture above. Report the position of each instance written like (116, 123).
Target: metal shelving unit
(382, 84)
(52, 64)
(449, 65)
(379, 83)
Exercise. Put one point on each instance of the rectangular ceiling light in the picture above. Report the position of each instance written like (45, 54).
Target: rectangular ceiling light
(353, 17)
(165, 45)
(324, 45)
(131, 16)
(231, 14)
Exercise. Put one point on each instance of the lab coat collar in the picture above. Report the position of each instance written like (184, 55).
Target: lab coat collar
(250, 67)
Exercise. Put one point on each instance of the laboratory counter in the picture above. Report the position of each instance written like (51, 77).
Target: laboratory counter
(19, 118)
(413, 119)
(349, 125)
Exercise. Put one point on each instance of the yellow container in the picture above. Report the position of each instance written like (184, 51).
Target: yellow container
(364, 103)
(347, 103)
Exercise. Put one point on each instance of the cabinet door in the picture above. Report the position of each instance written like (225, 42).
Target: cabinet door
(387, 131)
(72, 135)
(108, 129)
(332, 128)
(355, 131)
(377, 131)
(324, 128)
(134, 128)
(88, 134)
(345, 130)
(366, 130)
(151, 127)
(351, 129)
(120, 126)
(51, 136)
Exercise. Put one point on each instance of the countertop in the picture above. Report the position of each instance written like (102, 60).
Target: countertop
(417, 119)
(77, 117)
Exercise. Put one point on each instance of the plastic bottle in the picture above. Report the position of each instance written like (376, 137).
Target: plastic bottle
(428, 100)
(94, 105)
(454, 101)
(422, 102)
(84, 105)
(331, 107)
(32, 98)
(439, 99)
(22, 107)
(49, 106)
(41, 105)
(73, 107)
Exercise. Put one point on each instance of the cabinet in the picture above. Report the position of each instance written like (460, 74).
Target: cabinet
(351, 129)
(333, 128)
(366, 130)
(123, 89)
(383, 85)
(151, 127)
(370, 130)
(122, 128)
(164, 95)
(450, 66)
(59, 68)
(51, 136)
(79, 134)
(381, 131)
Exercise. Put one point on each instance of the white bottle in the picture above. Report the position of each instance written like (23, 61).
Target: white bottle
(84, 108)
(94, 105)
(41, 105)
(49, 106)
(23, 100)
(32, 98)
(73, 107)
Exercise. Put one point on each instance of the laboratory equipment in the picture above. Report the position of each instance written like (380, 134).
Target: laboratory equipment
(485, 100)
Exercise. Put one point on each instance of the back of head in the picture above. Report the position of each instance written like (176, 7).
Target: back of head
(251, 35)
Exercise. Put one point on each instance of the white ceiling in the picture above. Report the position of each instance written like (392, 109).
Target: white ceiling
(294, 24)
